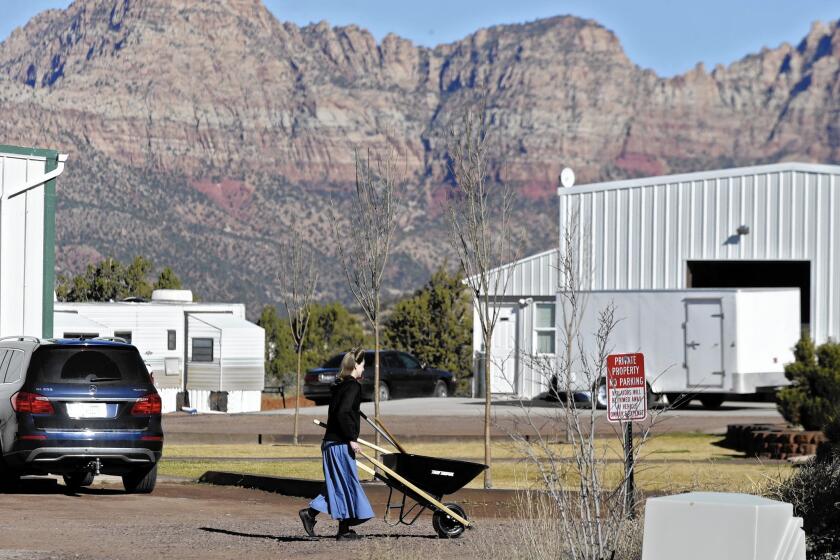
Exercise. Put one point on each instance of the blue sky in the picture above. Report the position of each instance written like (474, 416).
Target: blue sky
(670, 36)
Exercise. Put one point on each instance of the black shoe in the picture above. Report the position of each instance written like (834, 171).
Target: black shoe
(308, 522)
(350, 535)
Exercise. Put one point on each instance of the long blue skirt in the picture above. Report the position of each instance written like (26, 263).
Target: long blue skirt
(344, 497)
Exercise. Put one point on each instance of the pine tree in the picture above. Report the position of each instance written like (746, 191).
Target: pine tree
(167, 280)
(435, 324)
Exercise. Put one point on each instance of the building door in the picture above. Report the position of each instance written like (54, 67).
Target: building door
(704, 342)
(503, 352)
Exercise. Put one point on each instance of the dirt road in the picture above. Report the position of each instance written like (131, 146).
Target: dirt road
(179, 520)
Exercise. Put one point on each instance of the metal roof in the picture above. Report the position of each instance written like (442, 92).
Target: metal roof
(531, 276)
(701, 175)
(223, 321)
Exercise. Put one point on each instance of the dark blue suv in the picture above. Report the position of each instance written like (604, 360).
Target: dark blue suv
(78, 408)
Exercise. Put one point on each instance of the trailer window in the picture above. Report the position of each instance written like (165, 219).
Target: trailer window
(544, 328)
(202, 349)
(125, 335)
(170, 340)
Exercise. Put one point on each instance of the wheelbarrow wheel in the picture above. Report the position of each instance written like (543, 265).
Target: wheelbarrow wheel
(447, 527)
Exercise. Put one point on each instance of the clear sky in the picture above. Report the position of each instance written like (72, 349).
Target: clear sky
(670, 36)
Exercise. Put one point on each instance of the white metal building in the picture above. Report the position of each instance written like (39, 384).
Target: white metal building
(27, 239)
(223, 352)
(769, 226)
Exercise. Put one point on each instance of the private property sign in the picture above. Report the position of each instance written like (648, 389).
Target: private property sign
(626, 388)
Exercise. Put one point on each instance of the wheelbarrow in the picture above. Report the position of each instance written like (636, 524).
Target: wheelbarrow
(423, 480)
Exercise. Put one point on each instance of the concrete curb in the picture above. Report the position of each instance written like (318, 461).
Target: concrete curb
(294, 487)
(269, 439)
(306, 488)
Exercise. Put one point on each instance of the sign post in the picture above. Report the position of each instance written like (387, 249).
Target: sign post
(627, 401)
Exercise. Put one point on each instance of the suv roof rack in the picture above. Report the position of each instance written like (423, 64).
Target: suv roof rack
(22, 338)
(109, 339)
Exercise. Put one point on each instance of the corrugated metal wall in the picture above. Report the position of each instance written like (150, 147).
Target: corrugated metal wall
(23, 290)
(532, 276)
(204, 375)
(243, 365)
(639, 234)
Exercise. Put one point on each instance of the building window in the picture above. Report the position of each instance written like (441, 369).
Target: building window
(202, 349)
(544, 328)
(170, 340)
(125, 335)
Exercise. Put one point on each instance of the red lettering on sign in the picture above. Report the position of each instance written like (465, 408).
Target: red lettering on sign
(626, 387)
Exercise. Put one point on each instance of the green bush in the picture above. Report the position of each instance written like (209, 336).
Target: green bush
(332, 329)
(813, 398)
(435, 324)
(814, 492)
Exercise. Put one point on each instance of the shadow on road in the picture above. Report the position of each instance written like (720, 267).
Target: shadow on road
(280, 538)
(258, 536)
(37, 485)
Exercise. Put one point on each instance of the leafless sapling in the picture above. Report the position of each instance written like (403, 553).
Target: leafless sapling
(363, 230)
(481, 236)
(298, 279)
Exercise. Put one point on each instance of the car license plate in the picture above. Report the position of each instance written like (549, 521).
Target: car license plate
(87, 410)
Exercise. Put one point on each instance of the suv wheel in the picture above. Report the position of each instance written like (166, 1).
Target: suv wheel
(441, 390)
(384, 392)
(9, 479)
(76, 480)
(601, 395)
(711, 402)
(141, 481)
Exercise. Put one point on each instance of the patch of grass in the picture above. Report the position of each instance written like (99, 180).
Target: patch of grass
(194, 469)
(670, 462)
(661, 477)
(174, 451)
(671, 477)
(695, 447)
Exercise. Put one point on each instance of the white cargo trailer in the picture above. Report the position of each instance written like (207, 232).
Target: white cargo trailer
(707, 342)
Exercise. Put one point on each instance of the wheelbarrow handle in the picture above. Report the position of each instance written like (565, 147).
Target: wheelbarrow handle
(393, 474)
(358, 440)
(380, 428)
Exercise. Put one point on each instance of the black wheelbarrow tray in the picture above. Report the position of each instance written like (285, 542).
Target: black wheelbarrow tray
(424, 480)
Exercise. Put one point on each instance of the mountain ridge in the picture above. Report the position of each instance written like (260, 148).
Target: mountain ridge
(212, 124)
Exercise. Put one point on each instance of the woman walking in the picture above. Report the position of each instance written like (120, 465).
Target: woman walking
(343, 499)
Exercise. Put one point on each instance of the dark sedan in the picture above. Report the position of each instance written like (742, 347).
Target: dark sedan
(401, 375)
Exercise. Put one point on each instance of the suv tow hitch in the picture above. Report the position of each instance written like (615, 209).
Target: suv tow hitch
(94, 466)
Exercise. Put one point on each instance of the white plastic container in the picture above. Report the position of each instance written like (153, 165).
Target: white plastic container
(721, 526)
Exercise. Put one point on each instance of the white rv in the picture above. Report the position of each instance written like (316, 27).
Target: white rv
(205, 356)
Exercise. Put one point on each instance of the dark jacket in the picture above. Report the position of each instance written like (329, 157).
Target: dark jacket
(343, 421)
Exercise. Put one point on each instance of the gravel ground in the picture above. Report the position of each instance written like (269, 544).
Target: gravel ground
(181, 520)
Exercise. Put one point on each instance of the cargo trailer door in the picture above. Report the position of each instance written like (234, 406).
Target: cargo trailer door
(704, 342)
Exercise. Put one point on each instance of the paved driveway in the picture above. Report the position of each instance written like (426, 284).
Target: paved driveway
(461, 407)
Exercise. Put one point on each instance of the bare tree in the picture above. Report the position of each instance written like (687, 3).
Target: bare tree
(479, 215)
(594, 515)
(363, 231)
(298, 279)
